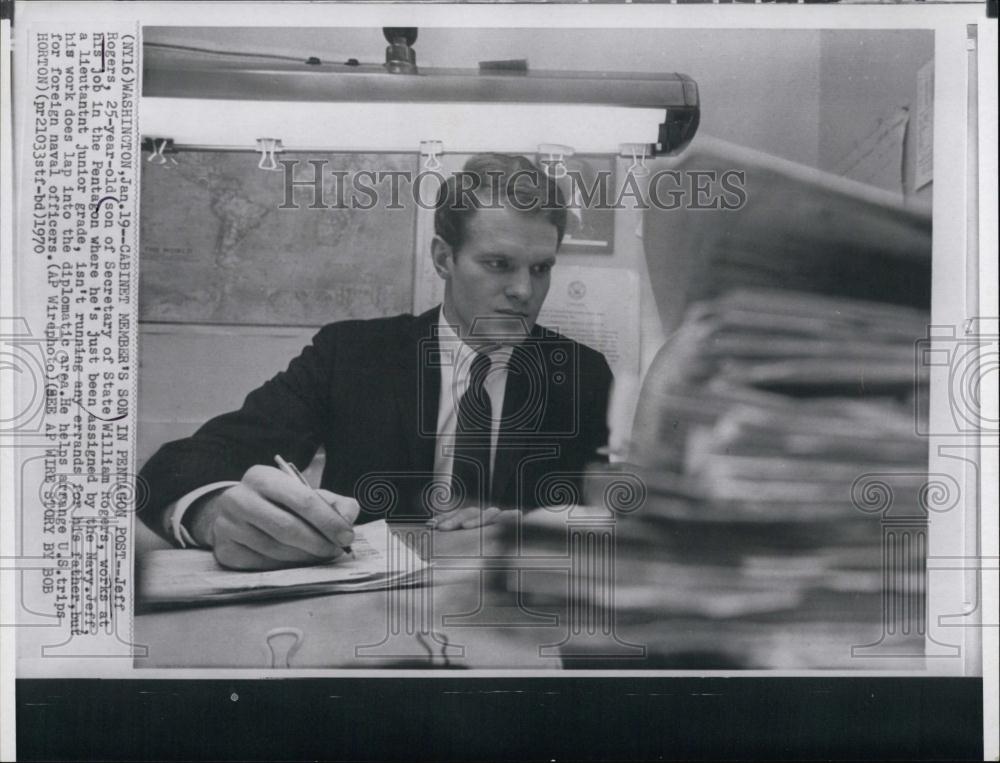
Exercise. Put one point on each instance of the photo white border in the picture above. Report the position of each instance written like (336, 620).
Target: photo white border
(949, 213)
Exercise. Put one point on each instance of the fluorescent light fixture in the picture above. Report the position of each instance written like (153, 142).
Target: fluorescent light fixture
(202, 98)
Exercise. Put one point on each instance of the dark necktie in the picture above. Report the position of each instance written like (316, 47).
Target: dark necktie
(470, 476)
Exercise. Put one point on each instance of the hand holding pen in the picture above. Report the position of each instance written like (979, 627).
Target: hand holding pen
(270, 519)
(292, 471)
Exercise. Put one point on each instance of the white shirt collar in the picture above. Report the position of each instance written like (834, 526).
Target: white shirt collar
(447, 336)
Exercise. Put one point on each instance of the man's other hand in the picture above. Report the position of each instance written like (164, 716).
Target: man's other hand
(271, 520)
(470, 516)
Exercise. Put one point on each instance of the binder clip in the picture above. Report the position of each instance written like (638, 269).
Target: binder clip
(431, 150)
(552, 157)
(267, 148)
(637, 151)
(157, 151)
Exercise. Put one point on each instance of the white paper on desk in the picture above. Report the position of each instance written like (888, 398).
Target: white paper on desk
(191, 575)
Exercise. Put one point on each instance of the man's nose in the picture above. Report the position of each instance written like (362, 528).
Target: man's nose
(519, 286)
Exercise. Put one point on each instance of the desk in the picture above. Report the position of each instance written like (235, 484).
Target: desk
(466, 618)
(370, 630)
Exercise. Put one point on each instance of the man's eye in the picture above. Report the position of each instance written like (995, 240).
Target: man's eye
(496, 264)
(541, 270)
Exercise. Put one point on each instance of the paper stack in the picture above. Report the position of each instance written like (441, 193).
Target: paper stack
(764, 434)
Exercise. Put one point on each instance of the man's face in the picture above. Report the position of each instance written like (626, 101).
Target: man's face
(496, 283)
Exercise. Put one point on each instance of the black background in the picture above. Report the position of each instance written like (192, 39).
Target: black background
(447, 718)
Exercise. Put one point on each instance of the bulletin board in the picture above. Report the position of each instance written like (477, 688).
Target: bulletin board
(217, 248)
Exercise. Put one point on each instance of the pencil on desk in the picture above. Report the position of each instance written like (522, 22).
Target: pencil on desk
(292, 471)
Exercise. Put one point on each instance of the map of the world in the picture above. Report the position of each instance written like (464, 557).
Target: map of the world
(217, 248)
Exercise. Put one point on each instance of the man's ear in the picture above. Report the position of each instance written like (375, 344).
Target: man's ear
(443, 257)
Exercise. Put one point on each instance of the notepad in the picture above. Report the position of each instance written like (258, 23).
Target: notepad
(378, 560)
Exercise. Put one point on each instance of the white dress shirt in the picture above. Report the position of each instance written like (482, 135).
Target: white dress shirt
(456, 364)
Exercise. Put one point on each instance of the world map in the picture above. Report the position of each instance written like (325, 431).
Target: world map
(216, 246)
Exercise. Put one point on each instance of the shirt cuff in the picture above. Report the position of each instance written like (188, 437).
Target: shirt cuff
(175, 513)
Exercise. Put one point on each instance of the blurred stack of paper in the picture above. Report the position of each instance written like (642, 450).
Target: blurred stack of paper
(799, 229)
(756, 545)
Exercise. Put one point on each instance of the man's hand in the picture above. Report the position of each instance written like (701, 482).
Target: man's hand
(271, 520)
(470, 516)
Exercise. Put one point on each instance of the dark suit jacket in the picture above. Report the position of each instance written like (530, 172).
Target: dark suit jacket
(369, 392)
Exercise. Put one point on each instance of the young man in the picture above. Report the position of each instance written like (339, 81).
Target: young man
(450, 416)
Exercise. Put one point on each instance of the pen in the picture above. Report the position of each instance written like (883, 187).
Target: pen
(292, 471)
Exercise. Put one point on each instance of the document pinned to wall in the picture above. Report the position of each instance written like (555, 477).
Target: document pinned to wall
(878, 160)
(599, 307)
(924, 127)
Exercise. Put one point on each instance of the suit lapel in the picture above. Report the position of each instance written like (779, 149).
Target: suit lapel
(418, 388)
